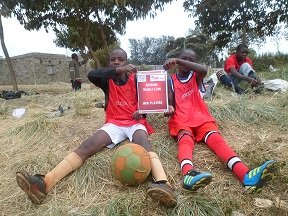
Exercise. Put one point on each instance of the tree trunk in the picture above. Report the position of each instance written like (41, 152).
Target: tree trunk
(87, 42)
(102, 33)
(10, 66)
(244, 34)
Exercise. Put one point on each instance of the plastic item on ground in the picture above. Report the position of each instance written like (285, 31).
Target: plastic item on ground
(18, 113)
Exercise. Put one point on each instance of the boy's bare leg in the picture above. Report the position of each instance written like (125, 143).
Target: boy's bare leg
(37, 186)
(161, 189)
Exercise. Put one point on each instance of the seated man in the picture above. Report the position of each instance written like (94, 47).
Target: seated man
(239, 67)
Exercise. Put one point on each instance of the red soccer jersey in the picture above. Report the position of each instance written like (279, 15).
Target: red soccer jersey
(232, 62)
(122, 103)
(190, 109)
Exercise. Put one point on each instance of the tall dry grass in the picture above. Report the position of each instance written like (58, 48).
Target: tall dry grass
(254, 125)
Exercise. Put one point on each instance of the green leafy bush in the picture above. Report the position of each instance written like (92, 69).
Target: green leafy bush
(262, 62)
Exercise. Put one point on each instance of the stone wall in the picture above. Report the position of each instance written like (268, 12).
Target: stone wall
(38, 68)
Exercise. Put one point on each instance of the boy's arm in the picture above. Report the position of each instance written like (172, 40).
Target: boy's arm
(100, 76)
(171, 98)
(200, 69)
(248, 79)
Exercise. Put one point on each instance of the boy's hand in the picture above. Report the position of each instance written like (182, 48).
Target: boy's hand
(137, 115)
(170, 63)
(252, 81)
(130, 68)
(170, 112)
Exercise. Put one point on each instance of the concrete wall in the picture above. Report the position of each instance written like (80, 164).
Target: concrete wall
(38, 68)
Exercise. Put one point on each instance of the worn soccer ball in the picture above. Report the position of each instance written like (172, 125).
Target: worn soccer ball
(131, 164)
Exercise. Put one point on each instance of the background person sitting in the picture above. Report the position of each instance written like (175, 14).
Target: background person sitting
(239, 68)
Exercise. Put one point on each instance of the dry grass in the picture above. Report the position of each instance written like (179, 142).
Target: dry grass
(255, 126)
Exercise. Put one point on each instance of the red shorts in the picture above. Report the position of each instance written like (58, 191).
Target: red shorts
(199, 132)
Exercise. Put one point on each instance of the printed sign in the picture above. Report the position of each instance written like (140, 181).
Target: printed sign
(152, 91)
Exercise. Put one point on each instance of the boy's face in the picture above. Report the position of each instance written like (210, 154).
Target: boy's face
(117, 58)
(75, 58)
(242, 53)
(187, 55)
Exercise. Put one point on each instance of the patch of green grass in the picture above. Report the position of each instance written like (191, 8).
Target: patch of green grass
(82, 103)
(3, 110)
(282, 102)
(282, 73)
(40, 124)
(246, 111)
(197, 206)
(120, 205)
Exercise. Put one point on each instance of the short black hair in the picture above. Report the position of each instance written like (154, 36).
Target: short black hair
(74, 55)
(241, 46)
(118, 48)
(186, 49)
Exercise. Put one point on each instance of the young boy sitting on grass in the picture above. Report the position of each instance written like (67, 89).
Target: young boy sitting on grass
(122, 121)
(192, 122)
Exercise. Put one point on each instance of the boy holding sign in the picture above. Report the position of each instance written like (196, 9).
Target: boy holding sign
(192, 122)
(122, 122)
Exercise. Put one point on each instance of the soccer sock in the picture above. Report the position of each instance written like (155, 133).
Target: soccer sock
(70, 163)
(158, 172)
(225, 153)
(185, 156)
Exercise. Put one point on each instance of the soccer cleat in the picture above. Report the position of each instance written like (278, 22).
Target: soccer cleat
(163, 193)
(34, 186)
(194, 180)
(255, 179)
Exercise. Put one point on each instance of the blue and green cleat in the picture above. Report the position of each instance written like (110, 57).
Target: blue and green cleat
(255, 179)
(194, 180)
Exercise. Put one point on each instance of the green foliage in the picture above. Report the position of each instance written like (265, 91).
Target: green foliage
(222, 19)
(83, 18)
(103, 55)
(144, 67)
(203, 45)
(72, 37)
(262, 62)
(149, 50)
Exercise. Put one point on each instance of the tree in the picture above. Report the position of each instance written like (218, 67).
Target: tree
(223, 18)
(276, 16)
(203, 45)
(149, 51)
(91, 21)
(73, 38)
(4, 11)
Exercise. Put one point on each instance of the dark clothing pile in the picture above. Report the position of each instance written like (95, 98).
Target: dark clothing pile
(8, 95)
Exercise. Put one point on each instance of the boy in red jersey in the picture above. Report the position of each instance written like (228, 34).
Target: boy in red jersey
(192, 122)
(122, 122)
(238, 67)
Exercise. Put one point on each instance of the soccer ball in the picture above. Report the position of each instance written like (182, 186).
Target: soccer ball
(131, 164)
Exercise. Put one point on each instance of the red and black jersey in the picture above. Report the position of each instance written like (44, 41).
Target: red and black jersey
(190, 108)
(120, 98)
(122, 102)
